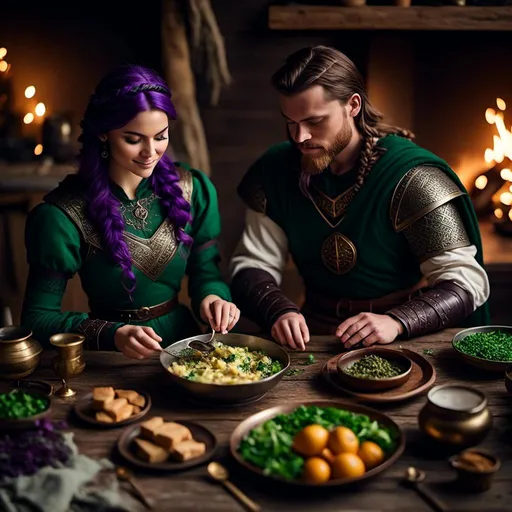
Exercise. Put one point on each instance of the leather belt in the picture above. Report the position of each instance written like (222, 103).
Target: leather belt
(343, 308)
(143, 314)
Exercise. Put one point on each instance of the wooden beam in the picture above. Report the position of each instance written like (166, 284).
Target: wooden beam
(306, 17)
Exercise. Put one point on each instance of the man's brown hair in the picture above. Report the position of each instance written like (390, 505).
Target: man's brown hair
(340, 79)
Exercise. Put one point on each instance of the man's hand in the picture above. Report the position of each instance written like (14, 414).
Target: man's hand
(219, 313)
(137, 341)
(368, 328)
(291, 330)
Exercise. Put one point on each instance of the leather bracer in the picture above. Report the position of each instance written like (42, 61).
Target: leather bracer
(259, 298)
(444, 305)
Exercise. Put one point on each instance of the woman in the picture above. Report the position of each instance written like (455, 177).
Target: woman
(132, 224)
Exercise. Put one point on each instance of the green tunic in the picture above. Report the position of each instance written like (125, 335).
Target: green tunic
(384, 261)
(60, 242)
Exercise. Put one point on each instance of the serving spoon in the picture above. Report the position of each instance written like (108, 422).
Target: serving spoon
(126, 475)
(219, 473)
(413, 478)
(203, 346)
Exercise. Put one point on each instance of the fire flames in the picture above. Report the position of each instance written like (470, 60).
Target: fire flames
(499, 156)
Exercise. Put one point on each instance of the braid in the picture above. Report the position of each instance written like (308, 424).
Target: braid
(103, 210)
(165, 185)
(370, 152)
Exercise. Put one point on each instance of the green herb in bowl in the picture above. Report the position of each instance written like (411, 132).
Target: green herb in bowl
(19, 404)
(372, 366)
(493, 345)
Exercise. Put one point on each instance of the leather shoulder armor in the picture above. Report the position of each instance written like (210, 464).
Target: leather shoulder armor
(252, 192)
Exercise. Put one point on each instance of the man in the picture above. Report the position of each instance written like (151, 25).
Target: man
(382, 231)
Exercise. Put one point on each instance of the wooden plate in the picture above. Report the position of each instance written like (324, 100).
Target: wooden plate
(423, 376)
(243, 429)
(84, 410)
(126, 448)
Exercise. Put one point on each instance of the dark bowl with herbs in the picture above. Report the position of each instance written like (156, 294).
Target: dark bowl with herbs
(22, 409)
(224, 376)
(374, 369)
(487, 347)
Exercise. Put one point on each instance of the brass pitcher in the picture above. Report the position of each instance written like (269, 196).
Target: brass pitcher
(69, 361)
(19, 352)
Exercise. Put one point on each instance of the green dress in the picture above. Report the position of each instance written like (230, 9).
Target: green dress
(61, 241)
(319, 229)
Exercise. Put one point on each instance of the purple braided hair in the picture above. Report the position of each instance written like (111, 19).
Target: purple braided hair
(118, 98)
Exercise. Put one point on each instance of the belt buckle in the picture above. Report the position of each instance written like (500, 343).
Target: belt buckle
(143, 314)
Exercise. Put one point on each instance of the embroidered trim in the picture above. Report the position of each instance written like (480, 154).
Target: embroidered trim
(91, 329)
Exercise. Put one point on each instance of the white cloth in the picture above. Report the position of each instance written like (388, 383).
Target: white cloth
(264, 245)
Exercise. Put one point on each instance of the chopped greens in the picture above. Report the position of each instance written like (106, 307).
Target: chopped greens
(269, 446)
(294, 371)
(310, 360)
(428, 352)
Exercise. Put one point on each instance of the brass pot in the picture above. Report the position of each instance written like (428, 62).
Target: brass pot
(19, 352)
(455, 415)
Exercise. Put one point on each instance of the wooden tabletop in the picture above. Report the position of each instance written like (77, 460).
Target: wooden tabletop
(191, 490)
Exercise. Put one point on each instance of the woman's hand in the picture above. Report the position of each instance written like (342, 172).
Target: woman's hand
(291, 330)
(137, 341)
(219, 313)
(369, 329)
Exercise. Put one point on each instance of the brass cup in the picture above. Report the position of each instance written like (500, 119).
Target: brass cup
(69, 361)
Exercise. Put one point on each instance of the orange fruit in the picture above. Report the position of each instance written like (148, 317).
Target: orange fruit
(327, 455)
(347, 465)
(316, 471)
(343, 440)
(371, 454)
(311, 440)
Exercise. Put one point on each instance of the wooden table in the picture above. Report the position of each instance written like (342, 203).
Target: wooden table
(191, 490)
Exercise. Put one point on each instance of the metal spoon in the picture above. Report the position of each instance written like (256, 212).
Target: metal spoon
(414, 477)
(126, 475)
(219, 473)
(202, 346)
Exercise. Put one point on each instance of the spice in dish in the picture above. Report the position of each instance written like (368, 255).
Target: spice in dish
(493, 345)
(474, 461)
(19, 404)
(371, 366)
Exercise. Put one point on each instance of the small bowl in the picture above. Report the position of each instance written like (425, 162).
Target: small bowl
(15, 424)
(360, 384)
(508, 379)
(474, 480)
(478, 362)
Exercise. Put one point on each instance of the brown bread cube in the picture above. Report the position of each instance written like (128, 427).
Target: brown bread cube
(104, 417)
(136, 410)
(139, 401)
(129, 394)
(170, 434)
(150, 452)
(124, 413)
(113, 406)
(149, 427)
(188, 450)
(101, 396)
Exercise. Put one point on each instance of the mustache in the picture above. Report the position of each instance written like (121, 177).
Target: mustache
(309, 146)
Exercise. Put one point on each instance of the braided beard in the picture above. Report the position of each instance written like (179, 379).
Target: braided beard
(317, 164)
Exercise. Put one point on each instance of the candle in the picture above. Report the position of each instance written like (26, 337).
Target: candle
(456, 398)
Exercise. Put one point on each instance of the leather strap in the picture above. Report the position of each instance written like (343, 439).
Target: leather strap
(143, 314)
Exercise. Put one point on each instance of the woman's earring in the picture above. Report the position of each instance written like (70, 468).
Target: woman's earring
(104, 153)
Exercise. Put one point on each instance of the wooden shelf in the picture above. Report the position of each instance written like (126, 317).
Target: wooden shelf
(308, 17)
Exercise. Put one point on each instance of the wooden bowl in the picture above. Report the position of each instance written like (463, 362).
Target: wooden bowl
(478, 362)
(244, 428)
(371, 385)
(15, 424)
